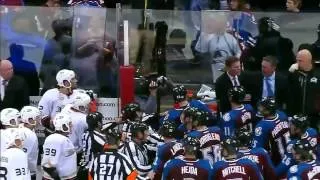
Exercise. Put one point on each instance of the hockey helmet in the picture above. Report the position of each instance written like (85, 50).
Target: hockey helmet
(30, 115)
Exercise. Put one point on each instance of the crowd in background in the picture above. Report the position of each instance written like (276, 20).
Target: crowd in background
(274, 5)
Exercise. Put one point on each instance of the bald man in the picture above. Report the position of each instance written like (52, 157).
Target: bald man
(304, 88)
(13, 89)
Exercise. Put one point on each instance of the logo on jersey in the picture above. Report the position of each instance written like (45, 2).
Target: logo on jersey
(314, 80)
(258, 131)
(294, 169)
(226, 117)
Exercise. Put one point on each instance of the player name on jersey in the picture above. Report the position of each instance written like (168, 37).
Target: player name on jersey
(279, 127)
(176, 148)
(315, 171)
(232, 170)
(189, 170)
(253, 158)
(209, 137)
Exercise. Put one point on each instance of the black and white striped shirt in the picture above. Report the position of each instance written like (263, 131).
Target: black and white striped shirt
(112, 165)
(138, 155)
(92, 144)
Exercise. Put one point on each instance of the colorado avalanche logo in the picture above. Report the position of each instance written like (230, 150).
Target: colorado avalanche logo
(258, 131)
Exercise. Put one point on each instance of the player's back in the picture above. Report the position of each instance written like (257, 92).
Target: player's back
(238, 118)
(261, 157)
(165, 152)
(30, 139)
(236, 169)
(210, 139)
(59, 151)
(172, 115)
(14, 165)
(79, 125)
(183, 168)
(3, 139)
(304, 171)
(273, 135)
(30, 146)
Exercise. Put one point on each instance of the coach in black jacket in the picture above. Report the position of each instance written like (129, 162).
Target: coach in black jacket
(278, 83)
(232, 77)
(304, 89)
(13, 89)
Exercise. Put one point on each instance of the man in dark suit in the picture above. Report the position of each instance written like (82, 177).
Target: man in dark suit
(13, 89)
(232, 77)
(269, 83)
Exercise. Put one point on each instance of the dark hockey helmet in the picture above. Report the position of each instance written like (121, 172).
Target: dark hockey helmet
(191, 143)
(200, 118)
(138, 127)
(230, 145)
(168, 129)
(244, 137)
(300, 121)
(93, 120)
(188, 112)
(267, 106)
(304, 149)
(236, 94)
(129, 112)
(113, 136)
(179, 93)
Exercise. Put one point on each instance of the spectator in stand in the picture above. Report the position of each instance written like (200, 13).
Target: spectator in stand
(269, 42)
(52, 3)
(316, 46)
(293, 5)
(13, 89)
(91, 3)
(56, 53)
(24, 68)
(215, 44)
(243, 24)
(12, 2)
(304, 89)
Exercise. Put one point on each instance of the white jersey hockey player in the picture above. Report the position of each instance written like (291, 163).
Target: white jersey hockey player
(78, 112)
(14, 162)
(54, 100)
(9, 118)
(29, 117)
(59, 155)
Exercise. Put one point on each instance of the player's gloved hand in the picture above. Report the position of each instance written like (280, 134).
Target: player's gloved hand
(52, 172)
(162, 80)
(91, 94)
(45, 121)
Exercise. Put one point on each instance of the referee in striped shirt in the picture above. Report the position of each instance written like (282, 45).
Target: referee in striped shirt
(136, 149)
(93, 143)
(112, 165)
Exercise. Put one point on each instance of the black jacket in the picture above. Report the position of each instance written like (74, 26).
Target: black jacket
(304, 92)
(16, 94)
(222, 86)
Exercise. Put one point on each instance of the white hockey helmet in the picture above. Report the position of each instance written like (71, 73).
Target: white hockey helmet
(62, 122)
(30, 115)
(10, 117)
(64, 78)
(81, 102)
(14, 137)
